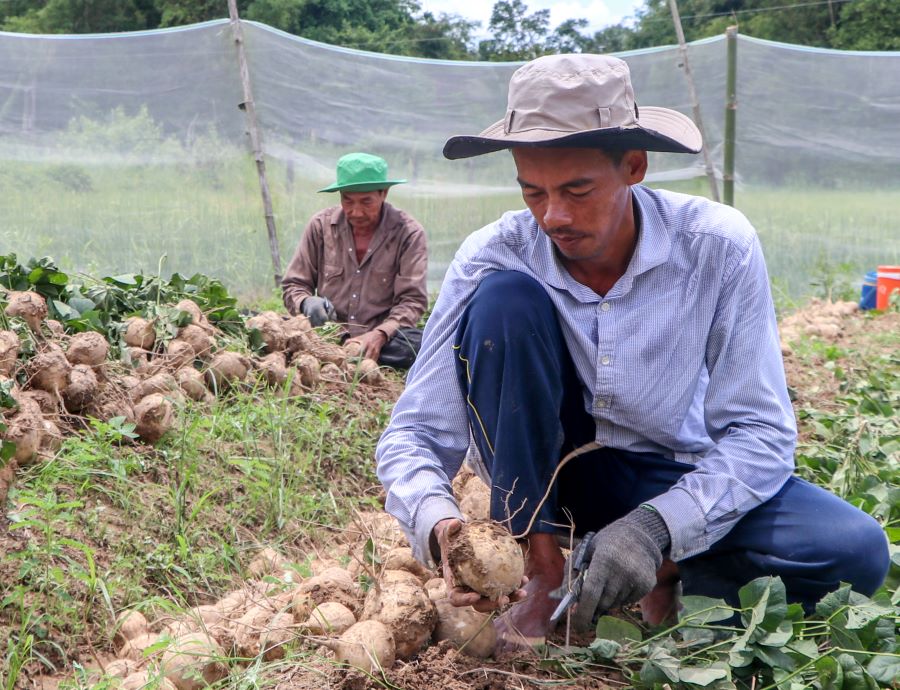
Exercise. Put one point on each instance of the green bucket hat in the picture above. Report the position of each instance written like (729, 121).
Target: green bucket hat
(361, 172)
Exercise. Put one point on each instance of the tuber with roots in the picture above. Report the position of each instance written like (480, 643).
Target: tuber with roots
(273, 369)
(308, 370)
(333, 584)
(25, 428)
(401, 558)
(484, 557)
(468, 630)
(139, 333)
(404, 607)
(88, 348)
(129, 625)
(329, 617)
(201, 342)
(162, 383)
(198, 318)
(153, 416)
(49, 370)
(9, 351)
(28, 306)
(271, 328)
(368, 646)
(81, 389)
(227, 369)
(179, 354)
(193, 661)
(192, 384)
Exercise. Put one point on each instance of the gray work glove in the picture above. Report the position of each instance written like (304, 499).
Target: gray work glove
(624, 558)
(318, 310)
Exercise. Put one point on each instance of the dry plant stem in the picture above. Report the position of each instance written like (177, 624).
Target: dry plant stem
(569, 573)
(581, 450)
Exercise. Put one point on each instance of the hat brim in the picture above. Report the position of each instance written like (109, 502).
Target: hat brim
(365, 187)
(658, 129)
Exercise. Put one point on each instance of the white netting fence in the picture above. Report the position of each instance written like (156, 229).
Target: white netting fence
(129, 152)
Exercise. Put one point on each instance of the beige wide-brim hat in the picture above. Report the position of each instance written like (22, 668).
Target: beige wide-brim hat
(579, 100)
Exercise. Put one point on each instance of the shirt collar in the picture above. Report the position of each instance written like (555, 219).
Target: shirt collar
(653, 248)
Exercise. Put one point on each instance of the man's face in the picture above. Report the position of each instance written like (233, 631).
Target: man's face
(581, 198)
(363, 209)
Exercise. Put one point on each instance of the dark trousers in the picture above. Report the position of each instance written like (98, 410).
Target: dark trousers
(526, 410)
(400, 351)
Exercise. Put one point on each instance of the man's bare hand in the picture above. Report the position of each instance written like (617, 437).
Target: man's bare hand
(460, 595)
(371, 343)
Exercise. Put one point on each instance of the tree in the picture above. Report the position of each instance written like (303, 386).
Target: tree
(868, 25)
(80, 16)
(445, 37)
(181, 12)
(517, 35)
(857, 25)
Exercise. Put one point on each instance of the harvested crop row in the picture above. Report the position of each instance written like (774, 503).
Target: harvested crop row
(367, 615)
(161, 365)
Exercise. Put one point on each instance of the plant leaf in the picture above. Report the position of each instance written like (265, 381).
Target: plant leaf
(617, 630)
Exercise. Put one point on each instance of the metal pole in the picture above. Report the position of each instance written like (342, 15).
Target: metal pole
(695, 102)
(730, 115)
(255, 140)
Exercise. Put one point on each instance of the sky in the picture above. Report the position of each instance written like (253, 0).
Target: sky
(599, 13)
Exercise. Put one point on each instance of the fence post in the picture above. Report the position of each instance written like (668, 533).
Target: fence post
(695, 102)
(730, 115)
(255, 140)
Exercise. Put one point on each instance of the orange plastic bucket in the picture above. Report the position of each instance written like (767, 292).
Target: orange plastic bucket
(888, 281)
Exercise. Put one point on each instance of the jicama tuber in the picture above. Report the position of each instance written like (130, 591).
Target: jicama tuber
(367, 645)
(227, 369)
(81, 388)
(193, 661)
(49, 370)
(271, 328)
(465, 628)
(406, 610)
(139, 333)
(28, 306)
(9, 351)
(153, 416)
(88, 348)
(484, 557)
(329, 617)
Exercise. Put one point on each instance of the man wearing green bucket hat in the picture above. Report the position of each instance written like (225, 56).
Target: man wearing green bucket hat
(363, 264)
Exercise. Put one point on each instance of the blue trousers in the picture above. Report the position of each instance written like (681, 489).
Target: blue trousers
(527, 411)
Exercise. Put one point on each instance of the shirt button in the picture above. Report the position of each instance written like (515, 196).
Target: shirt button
(600, 403)
(357, 270)
(605, 360)
(605, 306)
(354, 296)
(352, 318)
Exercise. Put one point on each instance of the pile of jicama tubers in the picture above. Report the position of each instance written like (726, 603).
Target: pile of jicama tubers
(57, 380)
(369, 613)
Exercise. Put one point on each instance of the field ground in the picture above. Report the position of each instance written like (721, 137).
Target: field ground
(207, 218)
(107, 525)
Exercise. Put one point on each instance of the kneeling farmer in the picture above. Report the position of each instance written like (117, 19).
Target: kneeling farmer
(637, 319)
(364, 264)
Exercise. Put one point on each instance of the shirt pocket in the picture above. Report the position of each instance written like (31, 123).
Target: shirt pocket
(332, 277)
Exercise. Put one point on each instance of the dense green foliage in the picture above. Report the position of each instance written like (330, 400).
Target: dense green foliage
(401, 27)
(845, 24)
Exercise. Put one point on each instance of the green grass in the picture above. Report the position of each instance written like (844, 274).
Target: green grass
(107, 524)
(208, 218)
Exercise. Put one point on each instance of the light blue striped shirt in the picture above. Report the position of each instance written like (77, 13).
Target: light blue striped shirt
(681, 357)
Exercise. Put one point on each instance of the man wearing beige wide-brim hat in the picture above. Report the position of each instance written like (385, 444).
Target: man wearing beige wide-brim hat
(635, 326)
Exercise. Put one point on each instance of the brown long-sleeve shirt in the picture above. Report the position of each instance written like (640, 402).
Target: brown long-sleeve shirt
(386, 290)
